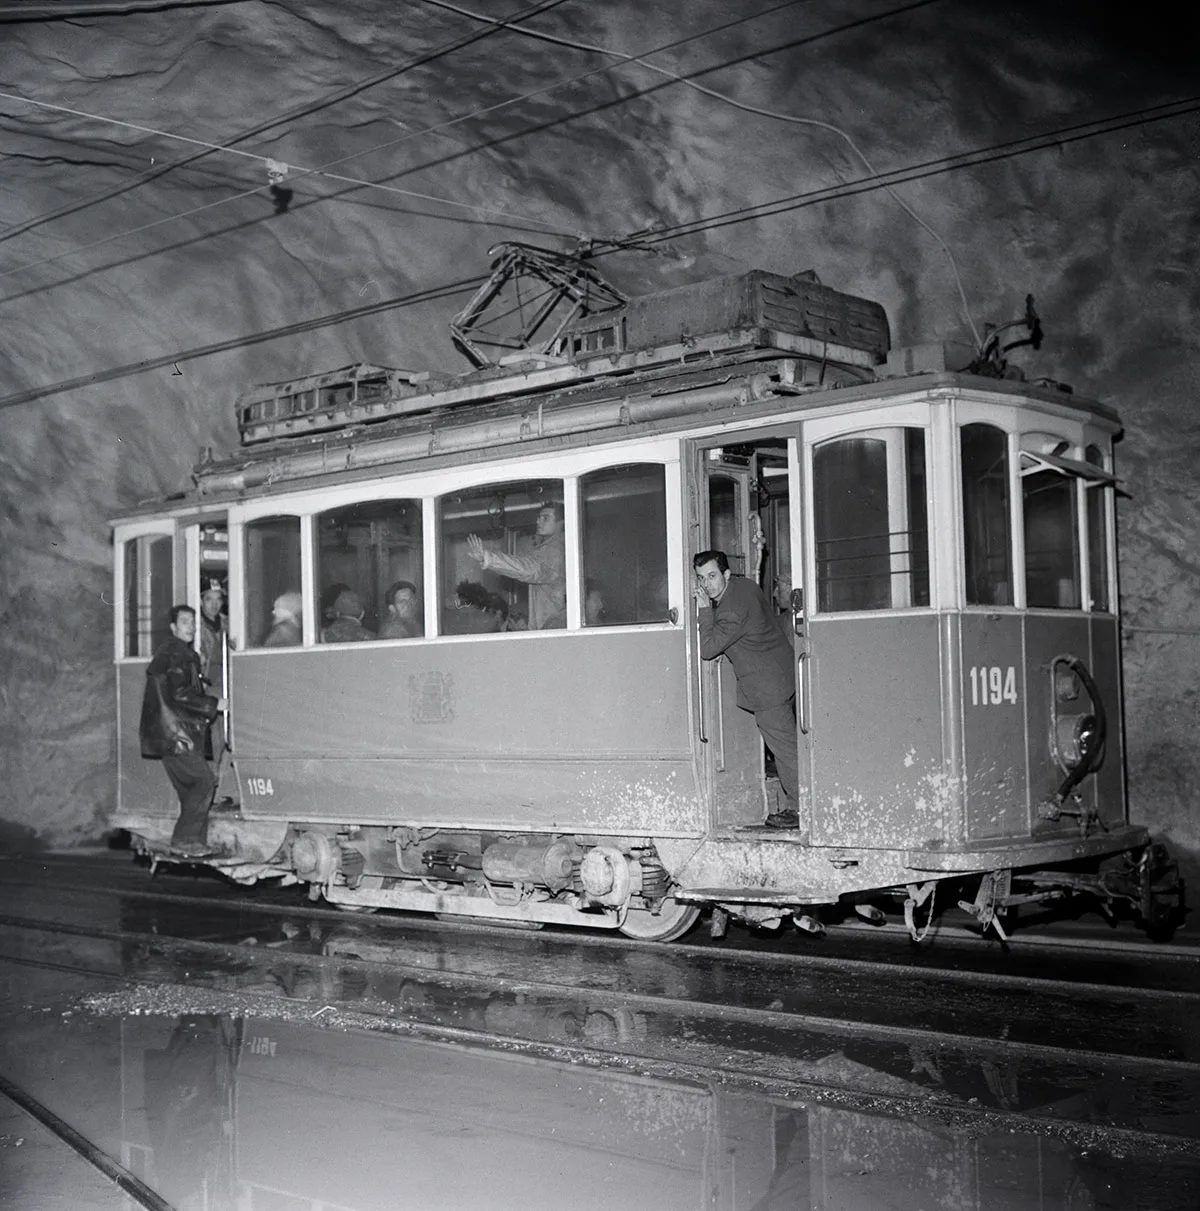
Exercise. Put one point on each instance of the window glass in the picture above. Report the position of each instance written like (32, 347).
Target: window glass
(369, 571)
(725, 513)
(987, 534)
(503, 558)
(273, 602)
(1049, 500)
(624, 533)
(149, 574)
(1097, 520)
(872, 543)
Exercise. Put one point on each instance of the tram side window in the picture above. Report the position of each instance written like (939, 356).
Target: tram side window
(987, 533)
(1051, 540)
(1097, 523)
(503, 558)
(872, 534)
(273, 602)
(149, 567)
(624, 533)
(369, 571)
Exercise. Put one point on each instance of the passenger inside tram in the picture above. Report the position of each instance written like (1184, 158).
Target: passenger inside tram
(473, 610)
(403, 604)
(346, 625)
(539, 562)
(285, 621)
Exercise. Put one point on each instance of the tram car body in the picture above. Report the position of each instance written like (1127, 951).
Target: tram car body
(939, 545)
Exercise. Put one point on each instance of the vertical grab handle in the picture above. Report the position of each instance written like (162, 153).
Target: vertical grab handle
(227, 713)
(700, 685)
(802, 692)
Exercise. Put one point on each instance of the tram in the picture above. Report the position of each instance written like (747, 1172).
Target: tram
(937, 536)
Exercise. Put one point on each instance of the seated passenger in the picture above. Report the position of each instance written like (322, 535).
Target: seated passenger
(285, 622)
(594, 613)
(328, 597)
(472, 610)
(346, 626)
(403, 619)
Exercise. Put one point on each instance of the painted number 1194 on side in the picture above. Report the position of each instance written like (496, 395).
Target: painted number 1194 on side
(260, 786)
(992, 685)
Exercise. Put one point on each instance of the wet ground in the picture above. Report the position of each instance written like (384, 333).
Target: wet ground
(302, 1060)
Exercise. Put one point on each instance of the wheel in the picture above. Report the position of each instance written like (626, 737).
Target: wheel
(671, 921)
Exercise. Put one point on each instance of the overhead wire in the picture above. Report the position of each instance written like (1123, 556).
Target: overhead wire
(760, 111)
(994, 153)
(266, 161)
(302, 111)
(1009, 149)
(302, 173)
(790, 44)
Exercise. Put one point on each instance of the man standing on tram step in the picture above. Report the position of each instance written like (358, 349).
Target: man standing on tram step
(542, 565)
(176, 714)
(736, 620)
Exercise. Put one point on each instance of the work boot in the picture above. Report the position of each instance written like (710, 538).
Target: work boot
(787, 818)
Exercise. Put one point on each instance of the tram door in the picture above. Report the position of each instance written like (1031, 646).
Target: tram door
(206, 570)
(744, 508)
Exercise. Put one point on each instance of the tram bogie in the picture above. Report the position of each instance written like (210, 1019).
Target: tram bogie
(939, 549)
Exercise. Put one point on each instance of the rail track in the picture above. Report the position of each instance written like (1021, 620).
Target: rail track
(925, 1035)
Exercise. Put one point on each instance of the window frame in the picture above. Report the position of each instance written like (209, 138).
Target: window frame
(869, 423)
(427, 487)
(1021, 421)
(123, 534)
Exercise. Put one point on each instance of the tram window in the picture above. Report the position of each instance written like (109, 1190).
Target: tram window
(1051, 540)
(872, 539)
(363, 550)
(503, 558)
(624, 533)
(987, 534)
(149, 568)
(273, 603)
(1097, 523)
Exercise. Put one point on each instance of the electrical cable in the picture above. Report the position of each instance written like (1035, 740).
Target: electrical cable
(761, 112)
(267, 161)
(43, 14)
(432, 294)
(302, 111)
(930, 168)
(377, 147)
(987, 155)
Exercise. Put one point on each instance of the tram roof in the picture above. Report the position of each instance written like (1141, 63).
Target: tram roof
(612, 409)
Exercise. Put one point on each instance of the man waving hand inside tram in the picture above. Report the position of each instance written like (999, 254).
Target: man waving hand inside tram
(736, 620)
(541, 564)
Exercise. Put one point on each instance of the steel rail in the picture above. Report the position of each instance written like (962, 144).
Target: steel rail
(96, 1157)
(761, 958)
(722, 1011)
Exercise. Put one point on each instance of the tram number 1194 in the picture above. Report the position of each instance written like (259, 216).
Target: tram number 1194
(992, 685)
(260, 786)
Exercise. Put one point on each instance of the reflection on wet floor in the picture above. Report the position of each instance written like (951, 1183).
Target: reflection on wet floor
(244, 1114)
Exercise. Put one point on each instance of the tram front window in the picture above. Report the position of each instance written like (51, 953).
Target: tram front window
(872, 537)
(368, 565)
(624, 535)
(987, 536)
(503, 558)
(1051, 541)
(273, 602)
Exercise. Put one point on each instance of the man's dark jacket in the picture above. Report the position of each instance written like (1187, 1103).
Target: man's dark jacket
(175, 704)
(743, 626)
